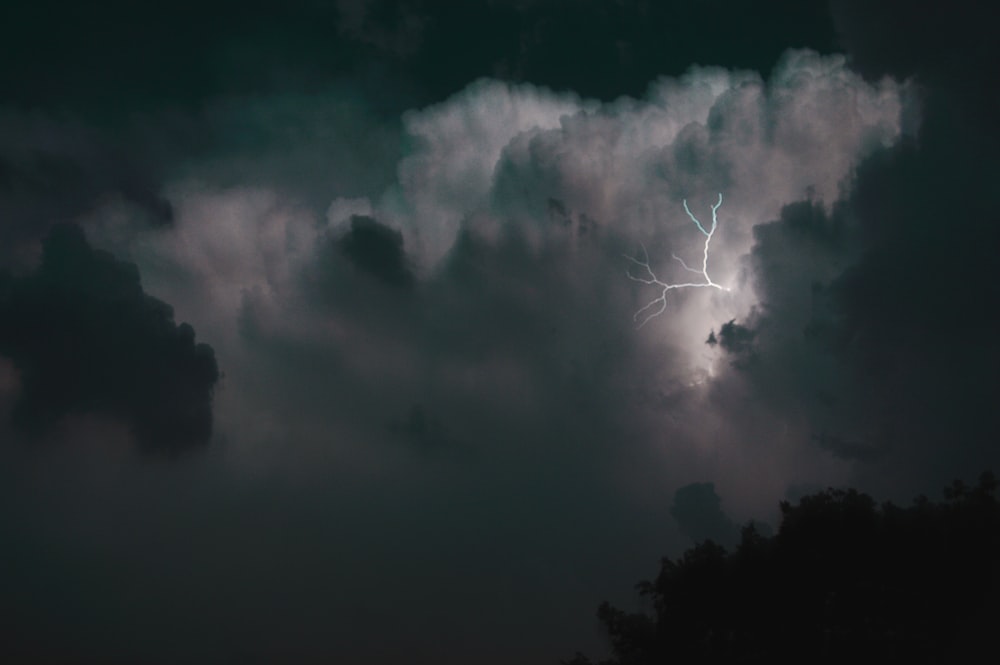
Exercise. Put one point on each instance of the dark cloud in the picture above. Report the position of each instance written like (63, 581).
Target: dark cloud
(945, 40)
(425, 432)
(54, 169)
(698, 511)
(376, 249)
(733, 338)
(85, 338)
(914, 304)
(787, 344)
(873, 309)
(804, 349)
(849, 449)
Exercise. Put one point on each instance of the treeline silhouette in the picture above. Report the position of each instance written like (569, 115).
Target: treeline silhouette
(842, 578)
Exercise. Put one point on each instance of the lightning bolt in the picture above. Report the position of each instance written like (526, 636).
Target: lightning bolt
(654, 280)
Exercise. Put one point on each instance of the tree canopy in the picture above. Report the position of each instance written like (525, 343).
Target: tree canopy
(842, 577)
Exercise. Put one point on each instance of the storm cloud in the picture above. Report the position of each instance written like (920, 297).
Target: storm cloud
(462, 336)
(83, 337)
(698, 511)
(420, 396)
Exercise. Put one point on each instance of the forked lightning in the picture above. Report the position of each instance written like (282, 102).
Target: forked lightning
(653, 279)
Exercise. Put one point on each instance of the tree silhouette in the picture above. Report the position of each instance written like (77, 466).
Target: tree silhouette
(843, 577)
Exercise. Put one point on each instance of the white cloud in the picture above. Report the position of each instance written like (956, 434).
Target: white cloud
(457, 145)
(508, 149)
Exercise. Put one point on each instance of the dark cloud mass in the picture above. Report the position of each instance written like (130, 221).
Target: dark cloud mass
(733, 337)
(403, 227)
(425, 432)
(85, 338)
(874, 312)
(377, 250)
(698, 511)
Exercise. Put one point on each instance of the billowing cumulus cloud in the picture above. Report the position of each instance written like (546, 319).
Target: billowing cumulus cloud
(509, 149)
(507, 228)
(458, 143)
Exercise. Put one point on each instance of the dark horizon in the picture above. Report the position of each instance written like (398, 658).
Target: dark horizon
(371, 331)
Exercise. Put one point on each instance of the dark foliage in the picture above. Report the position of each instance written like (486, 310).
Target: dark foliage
(842, 578)
(85, 338)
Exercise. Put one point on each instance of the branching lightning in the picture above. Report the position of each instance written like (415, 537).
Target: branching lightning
(654, 280)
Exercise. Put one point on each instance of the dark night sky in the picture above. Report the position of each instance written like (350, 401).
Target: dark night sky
(317, 342)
